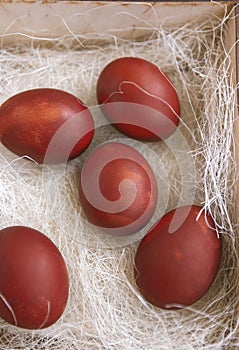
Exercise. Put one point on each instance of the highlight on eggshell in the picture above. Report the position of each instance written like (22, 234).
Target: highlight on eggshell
(174, 270)
(30, 120)
(125, 86)
(34, 281)
(117, 190)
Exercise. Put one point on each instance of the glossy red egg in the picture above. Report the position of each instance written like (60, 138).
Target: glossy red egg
(33, 278)
(47, 125)
(177, 261)
(118, 189)
(138, 99)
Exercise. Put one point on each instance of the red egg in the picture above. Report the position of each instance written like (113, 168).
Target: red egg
(33, 278)
(118, 190)
(47, 125)
(138, 99)
(177, 261)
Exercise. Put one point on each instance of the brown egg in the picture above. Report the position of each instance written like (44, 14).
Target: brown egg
(138, 99)
(177, 261)
(118, 189)
(33, 278)
(47, 125)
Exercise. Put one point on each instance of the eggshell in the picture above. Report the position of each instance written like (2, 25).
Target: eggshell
(118, 189)
(47, 125)
(33, 278)
(177, 261)
(138, 99)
